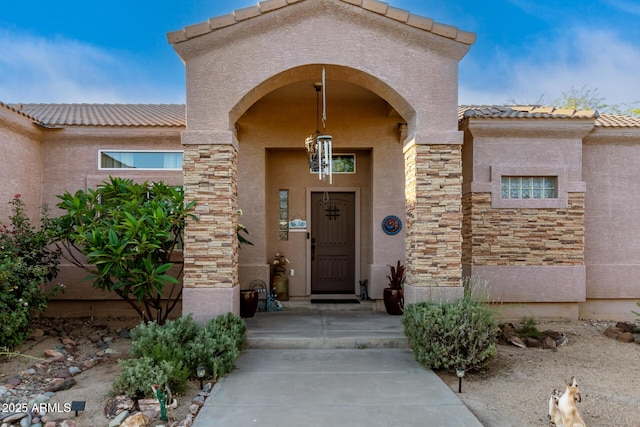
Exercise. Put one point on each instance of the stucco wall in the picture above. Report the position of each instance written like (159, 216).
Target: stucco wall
(611, 161)
(70, 163)
(21, 157)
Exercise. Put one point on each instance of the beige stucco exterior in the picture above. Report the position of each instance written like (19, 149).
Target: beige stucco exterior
(391, 87)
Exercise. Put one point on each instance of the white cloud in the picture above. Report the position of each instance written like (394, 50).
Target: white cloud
(35, 69)
(583, 57)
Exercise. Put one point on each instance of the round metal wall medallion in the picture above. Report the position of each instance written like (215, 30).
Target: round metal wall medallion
(391, 224)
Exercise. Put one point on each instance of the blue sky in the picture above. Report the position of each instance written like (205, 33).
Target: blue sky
(116, 51)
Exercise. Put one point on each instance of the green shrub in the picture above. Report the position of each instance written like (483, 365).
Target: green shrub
(451, 335)
(172, 336)
(217, 345)
(170, 353)
(26, 264)
(139, 375)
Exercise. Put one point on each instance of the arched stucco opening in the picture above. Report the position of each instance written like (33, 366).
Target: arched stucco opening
(276, 118)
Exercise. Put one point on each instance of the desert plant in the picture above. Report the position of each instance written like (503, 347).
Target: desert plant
(140, 374)
(529, 328)
(128, 232)
(451, 335)
(170, 353)
(396, 280)
(26, 264)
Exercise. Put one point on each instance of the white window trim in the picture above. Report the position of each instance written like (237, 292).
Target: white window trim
(136, 151)
(562, 175)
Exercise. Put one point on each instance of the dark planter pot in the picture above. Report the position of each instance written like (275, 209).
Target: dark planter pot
(248, 303)
(394, 301)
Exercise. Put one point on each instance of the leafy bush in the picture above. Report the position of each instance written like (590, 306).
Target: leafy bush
(26, 264)
(217, 345)
(170, 353)
(451, 335)
(139, 375)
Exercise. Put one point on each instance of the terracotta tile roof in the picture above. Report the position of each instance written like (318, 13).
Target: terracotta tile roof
(522, 112)
(614, 120)
(375, 6)
(16, 110)
(139, 115)
(540, 112)
(173, 115)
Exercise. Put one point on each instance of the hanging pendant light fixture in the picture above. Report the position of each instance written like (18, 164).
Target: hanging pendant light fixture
(319, 146)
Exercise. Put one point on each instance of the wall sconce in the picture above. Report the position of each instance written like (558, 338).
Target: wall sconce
(460, 373)
(200, 371)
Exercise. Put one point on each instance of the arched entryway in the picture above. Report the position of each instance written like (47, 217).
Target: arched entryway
(250, 104)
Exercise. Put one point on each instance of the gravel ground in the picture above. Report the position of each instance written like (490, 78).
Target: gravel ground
(515, 390)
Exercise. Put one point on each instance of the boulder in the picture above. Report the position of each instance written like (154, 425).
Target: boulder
(137, 420)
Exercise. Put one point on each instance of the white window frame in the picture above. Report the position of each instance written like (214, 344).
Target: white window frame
(136, 151)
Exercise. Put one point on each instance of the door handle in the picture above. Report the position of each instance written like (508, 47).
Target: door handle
(313, 249)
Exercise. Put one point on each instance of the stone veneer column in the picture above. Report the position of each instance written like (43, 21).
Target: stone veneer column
(210, 284)
(433, 191)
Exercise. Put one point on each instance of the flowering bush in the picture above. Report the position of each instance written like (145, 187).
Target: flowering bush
(26, 264)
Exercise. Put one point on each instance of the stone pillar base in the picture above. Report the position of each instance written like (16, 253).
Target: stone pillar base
(207, 303)
(415, 294)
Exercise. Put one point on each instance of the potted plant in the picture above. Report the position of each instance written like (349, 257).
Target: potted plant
(394, 294)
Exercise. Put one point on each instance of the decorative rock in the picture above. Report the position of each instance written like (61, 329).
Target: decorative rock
(53, 356)
(107, 339)
(137, 420)
(193, 409)
(532, 342)
(37, 333)
(89, 363)
(613, 332)
(62, 373)
(549, 343)
(26, 421)
(69, 423)
(50, 424)
(198, 400)
(124, 333)
(29, 371)
(148, 405)
(74, 370)
(636, 339)
(68, 341)
(14, 381)
(517, 341)
(14, 417)
(626, 326)
(117, 405)
(119, 419)
(111, 352)
(187, 422)
(207, 388)
(64, 385)
(626, 337)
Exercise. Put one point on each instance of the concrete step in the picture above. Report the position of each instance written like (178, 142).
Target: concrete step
(309, 329)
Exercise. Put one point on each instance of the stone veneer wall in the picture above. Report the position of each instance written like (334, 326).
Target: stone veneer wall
(532, 236)
(433, 191)
(211, 242)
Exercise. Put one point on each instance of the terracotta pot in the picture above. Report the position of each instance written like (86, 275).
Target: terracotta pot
(394, 301)
(248, 303)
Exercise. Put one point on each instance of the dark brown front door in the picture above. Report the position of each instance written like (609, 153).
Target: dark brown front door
(333, 224)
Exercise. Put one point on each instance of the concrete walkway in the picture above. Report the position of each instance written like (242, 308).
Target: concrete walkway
(330, 368)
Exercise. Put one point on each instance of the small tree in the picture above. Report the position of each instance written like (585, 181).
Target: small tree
(128, 233)
(26, 264)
